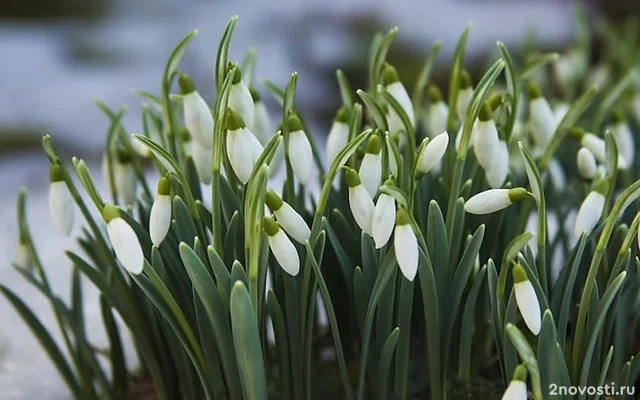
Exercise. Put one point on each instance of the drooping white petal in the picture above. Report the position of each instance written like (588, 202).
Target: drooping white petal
(198, 118)
(371, 172)
(126, 245)
(285, 252)
(241, 102)
(542, 122)
(394, 122)
(485, 143)
(596, 145)
(292, 223)
(203, 160)
(517, 390)
(301, 156)
(126, 182)
(487, 202)
(528, 305)
(432, 153)
(499, 169)
(241, 152)
(383, 220)
(556, 173)
(589, 213)
(160, 219)
(437, 118)
(361, 207)
(337, 140)
(405, 244)
(586, 163)
(261, 127)
(61, 207)
(23, 257)
(399, 93)
(464, 99)
(626, 146)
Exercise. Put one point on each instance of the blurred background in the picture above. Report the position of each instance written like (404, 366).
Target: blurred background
(58, 56)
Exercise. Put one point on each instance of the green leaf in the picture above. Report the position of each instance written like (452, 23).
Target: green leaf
(423, 78)
(280, 334)
(231, 247)
(221, 53)
(565, 308)
(537, 62)
(374, 109)
(378, 55)
(184, 226)
(116, 353)
(512, 86)
(454, 80)
(275, 91)
(359, 297)
(610, 97)
(246, 340)
(176, 57)
(248, 67)
(45, 340)
(553, 366)
(345, 89)
(386, 356)
(467, 327)
(603, 371)
(527, 355)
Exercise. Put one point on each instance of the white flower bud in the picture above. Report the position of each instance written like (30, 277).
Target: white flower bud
(589, 213)
(240, 100)
(125, 179)
(517, 389)
(556, 173)
(486, 139)
(624, 141)
(437, 118)
(405, 245)
(432, 153)
(203, 161)
(300, 153)
(397, 90)
(338, 137)
(283, 250)
(493, 200)
(360, 201)
(371, 167)
(465, 94)
(261, 126)
(499, 168)
(599, 76)
(243, 149)
(160, 217)
(23, 255)
(384, 216)
(541, 119)
(596, 145)
(124, 241)
(288, 218)
(61, 206)
(586, 163)
(526, 299)
(197, 115)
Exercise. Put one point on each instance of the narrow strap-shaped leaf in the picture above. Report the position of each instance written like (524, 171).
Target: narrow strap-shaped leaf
(345, 89)
(221, 53)
(116, 353)
(280, 333)
(553, 366)
(565, 308)
(528, 356)
(386, 356)
(467, 328)
(512, 86)
(246, 340)
(603, 371)
(423, 78)
(454, 80)
(374, 109)
(610, 97)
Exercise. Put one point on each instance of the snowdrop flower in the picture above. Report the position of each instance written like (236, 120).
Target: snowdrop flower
(371, 167)
(60, 201)
(124, 241)
(300, 154)
(624, 141)
(203, 160)
(384, 216)
(397, 90)
(125, 178)
(517, 389)
(526, 299)
(23, 254)
(338, 134)
(405, 244)
(541, 118)
(486, 138)
(432, 153)
(396, 126)
(591, 209)
(160, 217)
(464, 96)
(261, 125)
(570, 66)
(556, 174)
(497, 173)
(288, 218)
(240, 100)
(360, 201)
(197, 115)
(243, 149)
(591, 142)
(599, 76)
(283, 250)
(586, 163)
(493, 200)
(437, 113)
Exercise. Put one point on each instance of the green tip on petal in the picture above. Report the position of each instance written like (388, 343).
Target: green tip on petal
(577, 132)
(164, 186)
(255, 96)
(520, 373)
(342, 115)
(465, 80)
(374, 145)
(518, 194)
(186, 84)
(533, 90)
(183, 134)
(617, 116)
(273, 201)
(234, 121)
(389, 75)
(270, 226)
(237, 77)
(402, 218)
(390, 182)
(55, 173)
(352, 177)
(110, 212)
(433, 94)
(485, 112)
(519, 274)
(293, 123)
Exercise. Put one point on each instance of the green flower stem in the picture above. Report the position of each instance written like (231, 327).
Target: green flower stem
(581, 328)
